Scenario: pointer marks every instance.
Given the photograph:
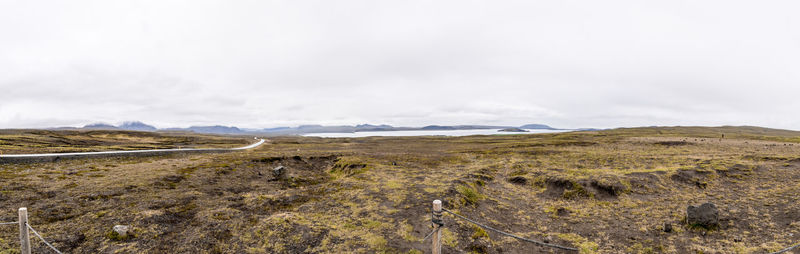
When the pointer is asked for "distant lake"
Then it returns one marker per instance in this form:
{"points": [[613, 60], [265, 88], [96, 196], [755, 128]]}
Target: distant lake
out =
{"points": [[425, 133]]}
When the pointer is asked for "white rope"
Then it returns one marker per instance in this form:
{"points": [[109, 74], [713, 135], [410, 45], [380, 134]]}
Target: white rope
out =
{"points": [[9, 223], [787, 249], [509, 234], [430, 234], [40, 237]]}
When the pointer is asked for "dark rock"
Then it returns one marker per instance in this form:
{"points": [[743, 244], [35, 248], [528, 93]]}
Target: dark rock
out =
{"points": [[279, 172], [706, 216], [667, 227], [519, 180], [562, 211]]}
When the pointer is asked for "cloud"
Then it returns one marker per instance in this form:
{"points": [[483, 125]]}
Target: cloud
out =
{"points": [[263, 64]]}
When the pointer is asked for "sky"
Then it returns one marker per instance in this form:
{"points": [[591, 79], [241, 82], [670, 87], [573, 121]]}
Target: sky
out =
{"points": [[259, 64]]}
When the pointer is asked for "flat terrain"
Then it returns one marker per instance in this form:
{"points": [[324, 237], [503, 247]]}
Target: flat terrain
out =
{"points": [[602, 192], [46, 141]]}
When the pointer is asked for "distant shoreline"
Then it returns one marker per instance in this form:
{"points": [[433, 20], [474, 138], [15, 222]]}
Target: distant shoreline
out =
{"points": [[416, 133]]}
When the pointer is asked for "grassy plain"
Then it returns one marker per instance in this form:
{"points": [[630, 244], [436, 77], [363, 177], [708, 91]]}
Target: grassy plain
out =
{"points": [[48, 141], [602, 192]]}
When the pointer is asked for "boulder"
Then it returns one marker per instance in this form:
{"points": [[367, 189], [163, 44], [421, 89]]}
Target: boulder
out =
{"points": [[122, 230], [279, 172], [706, 215]]}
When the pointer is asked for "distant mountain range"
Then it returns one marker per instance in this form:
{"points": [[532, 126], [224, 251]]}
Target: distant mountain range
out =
{"points": [[303, 129], [137, 126], [216, 129], [131, 126]]}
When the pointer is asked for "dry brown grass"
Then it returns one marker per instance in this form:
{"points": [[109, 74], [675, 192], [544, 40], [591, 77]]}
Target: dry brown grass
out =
{"points": [[604, 192], [46, 141]]}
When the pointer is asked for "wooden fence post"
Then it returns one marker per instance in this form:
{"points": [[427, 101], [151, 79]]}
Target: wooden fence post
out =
{"points": [[437, 223], [24, 238]]}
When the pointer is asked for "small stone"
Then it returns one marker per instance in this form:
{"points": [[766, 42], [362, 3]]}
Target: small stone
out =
{"points": [[278, 172], [667, 227], [706, 215], [122, 230]]}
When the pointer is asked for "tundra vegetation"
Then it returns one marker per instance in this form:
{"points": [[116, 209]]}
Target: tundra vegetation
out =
{"points": [[609, 191]]}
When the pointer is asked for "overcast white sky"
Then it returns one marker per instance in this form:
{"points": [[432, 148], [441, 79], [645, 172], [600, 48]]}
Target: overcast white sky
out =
{"points": [[410, 63]]}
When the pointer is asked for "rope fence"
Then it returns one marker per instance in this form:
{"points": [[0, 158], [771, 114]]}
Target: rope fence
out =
{"points": [[24, 229], [787, 249], [42, 238], [509, 234], [430, 234], [436, 220]]}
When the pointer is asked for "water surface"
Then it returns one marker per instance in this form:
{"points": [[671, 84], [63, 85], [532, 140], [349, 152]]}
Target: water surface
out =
{"points": [[425, 133]]}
